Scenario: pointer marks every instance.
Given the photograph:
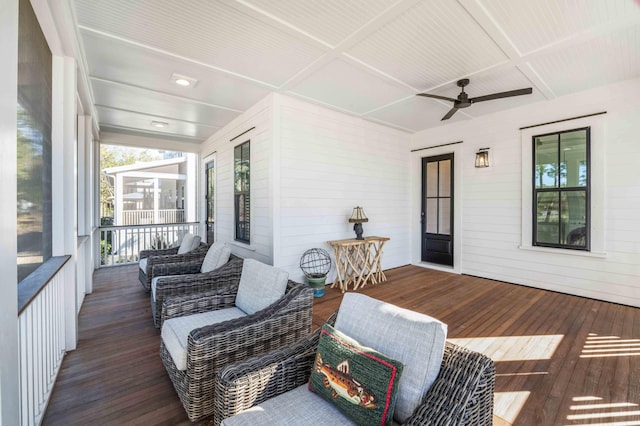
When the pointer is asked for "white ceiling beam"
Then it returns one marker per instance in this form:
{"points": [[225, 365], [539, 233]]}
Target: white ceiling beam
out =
{"points": [[153, 116]]}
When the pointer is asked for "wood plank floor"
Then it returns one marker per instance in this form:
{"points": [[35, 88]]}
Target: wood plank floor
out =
{"points": [[560, 360]]}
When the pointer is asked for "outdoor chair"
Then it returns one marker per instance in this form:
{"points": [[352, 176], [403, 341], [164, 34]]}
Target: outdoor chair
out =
{"points": [[190, 248], [203, 332], [274, 388], [218, 272]]}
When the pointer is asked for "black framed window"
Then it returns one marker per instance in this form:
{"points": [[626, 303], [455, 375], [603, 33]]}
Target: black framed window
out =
{"points": [[242, 199], [561, 189]]}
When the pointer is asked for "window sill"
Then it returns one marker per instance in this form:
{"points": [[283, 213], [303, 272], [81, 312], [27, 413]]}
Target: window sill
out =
{"points": [[242, 245], [598, 255]]}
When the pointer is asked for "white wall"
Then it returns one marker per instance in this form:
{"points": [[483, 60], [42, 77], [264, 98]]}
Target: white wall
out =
{"points": [[490, 199], [328, 163], [260, 117]]}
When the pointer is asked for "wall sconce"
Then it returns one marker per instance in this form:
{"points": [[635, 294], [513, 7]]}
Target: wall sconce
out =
{"points": [[357, 218], [482, 157]]}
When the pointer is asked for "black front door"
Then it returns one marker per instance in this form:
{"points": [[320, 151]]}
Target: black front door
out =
{"points": [[437, 209], [210, 198]]}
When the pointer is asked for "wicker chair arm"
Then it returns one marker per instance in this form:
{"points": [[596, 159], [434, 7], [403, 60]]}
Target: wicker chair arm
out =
{"points": [[244, 384], [225, 276], [161, 252], [160, 269], [462, 393], [196, 254], [195, 303]]}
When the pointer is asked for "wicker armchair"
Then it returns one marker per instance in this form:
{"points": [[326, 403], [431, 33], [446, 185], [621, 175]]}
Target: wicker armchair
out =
{"points": [[211, 347], [462, 393], [179, 279], [170, 255]]}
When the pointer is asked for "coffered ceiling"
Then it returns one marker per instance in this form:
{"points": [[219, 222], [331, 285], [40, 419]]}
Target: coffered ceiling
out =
{"points": [[368, 58]]}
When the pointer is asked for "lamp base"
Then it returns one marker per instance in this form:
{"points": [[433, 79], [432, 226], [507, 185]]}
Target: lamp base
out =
{"points": [[357, 227]]}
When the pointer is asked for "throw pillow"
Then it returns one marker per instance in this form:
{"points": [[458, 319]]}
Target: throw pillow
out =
{"points": [[195, 243], [217, 255], [359, 381], [260, 286], [185, 245]]}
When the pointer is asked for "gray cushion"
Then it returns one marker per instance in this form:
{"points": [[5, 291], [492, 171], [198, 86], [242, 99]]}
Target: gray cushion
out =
{"points": [[195, 243], [217, 255], [414, 339], [186, 245], [260, 286], [299, 406], [175, 331], [154, 284], [143, 264]]}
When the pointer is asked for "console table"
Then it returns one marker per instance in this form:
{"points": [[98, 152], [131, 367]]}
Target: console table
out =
{"points": [[358, 261]]}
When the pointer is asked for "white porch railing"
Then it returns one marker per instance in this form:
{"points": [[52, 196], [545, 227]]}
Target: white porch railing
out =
{"points": [[120, 245], [41, 329], [146, 217]]}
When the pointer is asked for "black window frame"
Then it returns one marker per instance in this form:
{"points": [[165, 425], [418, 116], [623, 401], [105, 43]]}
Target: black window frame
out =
{"points": [[242, 192], [558, 188]]}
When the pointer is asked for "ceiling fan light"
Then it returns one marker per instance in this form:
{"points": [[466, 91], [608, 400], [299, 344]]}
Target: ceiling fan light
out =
{"points": [[183, 80]]}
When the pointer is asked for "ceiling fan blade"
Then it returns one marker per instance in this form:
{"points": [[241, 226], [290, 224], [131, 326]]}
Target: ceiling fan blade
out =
{"points": [[449, 114], [444, 98], [502, 95]]}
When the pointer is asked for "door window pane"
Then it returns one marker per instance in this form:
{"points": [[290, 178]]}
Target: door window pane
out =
{"points": [[432, 179], [444, 216], [445, 178], [432, 215]]}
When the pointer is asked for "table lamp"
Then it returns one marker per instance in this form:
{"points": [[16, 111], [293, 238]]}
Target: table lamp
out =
{"points": [[357, 218]]}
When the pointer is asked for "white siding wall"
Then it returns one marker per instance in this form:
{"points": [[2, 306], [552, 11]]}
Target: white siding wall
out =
{"points": [[260, 117], [490, 199], [330, 162]]}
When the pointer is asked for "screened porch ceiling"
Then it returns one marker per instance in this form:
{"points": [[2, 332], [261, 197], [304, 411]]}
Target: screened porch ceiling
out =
{"points": [[367, 58]]}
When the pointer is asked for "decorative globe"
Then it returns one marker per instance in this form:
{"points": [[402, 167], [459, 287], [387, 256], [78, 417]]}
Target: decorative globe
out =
{"points": [[315, 263]]}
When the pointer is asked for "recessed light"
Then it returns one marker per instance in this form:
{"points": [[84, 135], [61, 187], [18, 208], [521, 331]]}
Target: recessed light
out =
{"points": [[159, 124], [183, 80]]}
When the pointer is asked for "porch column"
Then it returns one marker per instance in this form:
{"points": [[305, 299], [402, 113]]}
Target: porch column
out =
{"points": [[190, 190], [64, 169], [117, 202], [156, 200], [9, 364]]}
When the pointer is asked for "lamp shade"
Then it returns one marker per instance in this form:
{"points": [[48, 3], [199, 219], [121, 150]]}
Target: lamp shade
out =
{"points": [[358, 216], [482, 157]]}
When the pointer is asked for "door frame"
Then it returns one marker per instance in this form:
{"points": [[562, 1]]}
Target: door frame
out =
{"points": [[452, 197], [439, 148]]}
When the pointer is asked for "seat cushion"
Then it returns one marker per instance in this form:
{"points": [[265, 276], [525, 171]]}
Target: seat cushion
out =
{"points": [[414, 339], [299, 406], [175, 331], [260, 286], [143, 264], [154, 284], [361, 382], [186, 244], [217, 255]]}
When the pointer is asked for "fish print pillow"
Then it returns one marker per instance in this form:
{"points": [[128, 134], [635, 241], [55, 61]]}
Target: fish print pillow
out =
{"points": [[360, 381]]}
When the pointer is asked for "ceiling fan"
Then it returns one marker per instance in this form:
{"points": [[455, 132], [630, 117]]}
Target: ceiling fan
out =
{"points": [[464, 100]]}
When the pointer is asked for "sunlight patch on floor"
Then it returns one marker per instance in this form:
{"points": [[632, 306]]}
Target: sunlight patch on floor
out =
{"points": [[609, 346], [513, 348], [592, 409], [507, 405]]}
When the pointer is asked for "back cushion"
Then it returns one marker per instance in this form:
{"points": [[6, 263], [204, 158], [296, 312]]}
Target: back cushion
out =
{"points": [[260, 286], [414, 339], [185, 245], [196, 242], [217, 255]]}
